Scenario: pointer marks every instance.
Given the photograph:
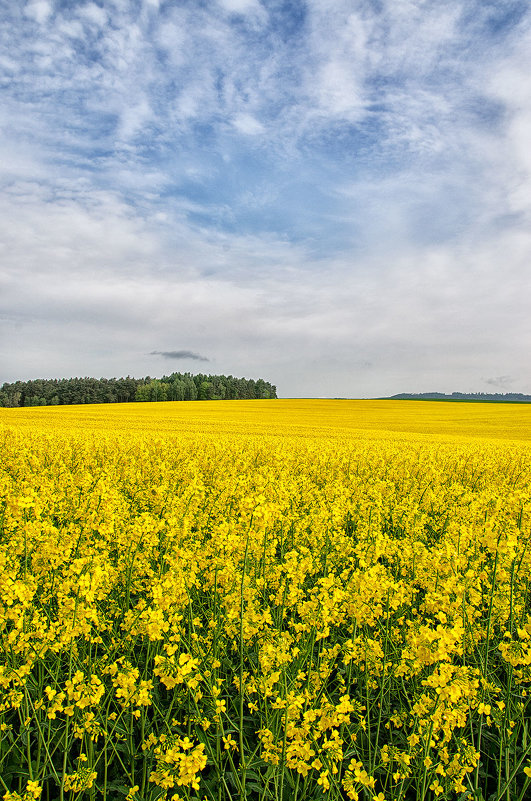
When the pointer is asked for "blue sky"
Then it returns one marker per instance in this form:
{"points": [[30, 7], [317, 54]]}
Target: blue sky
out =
{"points": [[335, 196]]}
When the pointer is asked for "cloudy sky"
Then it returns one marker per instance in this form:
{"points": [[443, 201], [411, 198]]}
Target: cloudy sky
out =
{"points": [[334, 195]]}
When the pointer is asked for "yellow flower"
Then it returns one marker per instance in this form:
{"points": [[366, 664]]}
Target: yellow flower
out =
{"points": [[437, 788], [229, 743], [33, 788]]}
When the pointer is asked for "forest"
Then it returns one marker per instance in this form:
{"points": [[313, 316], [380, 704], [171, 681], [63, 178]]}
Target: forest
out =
{"points": [[174, 387]]}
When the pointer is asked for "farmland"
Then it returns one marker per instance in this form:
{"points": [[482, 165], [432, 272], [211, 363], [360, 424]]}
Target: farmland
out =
{"points": [[267, 600]]}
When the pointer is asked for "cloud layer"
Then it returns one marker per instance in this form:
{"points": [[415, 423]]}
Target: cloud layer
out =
{"points": [[335, 197]]}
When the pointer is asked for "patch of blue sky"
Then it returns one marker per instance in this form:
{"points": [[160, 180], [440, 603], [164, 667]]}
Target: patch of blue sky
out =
{"points": [[288, 18], [497, 19], [344, 145], [486, 112], [297, 211]]}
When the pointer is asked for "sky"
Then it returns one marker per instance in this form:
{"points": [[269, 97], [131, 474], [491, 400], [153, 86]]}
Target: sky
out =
{"points": [[333, 195]]}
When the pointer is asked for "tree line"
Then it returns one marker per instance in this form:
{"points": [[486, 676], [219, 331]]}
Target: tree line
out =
{"points": [[174, 387], [492, 397]]}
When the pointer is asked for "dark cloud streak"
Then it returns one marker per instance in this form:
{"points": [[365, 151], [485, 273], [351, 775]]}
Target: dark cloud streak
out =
{"points": [[179, 354], [500, 381]]}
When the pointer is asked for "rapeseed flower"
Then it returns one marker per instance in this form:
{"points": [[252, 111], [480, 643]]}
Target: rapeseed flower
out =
{"points": [[339, 609]]}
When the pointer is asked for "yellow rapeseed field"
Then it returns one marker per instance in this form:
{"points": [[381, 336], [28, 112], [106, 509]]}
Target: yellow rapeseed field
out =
{"points": [[265, 600]]}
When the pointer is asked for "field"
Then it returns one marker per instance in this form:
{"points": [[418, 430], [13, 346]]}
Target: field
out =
{"points": [[267, 600]]}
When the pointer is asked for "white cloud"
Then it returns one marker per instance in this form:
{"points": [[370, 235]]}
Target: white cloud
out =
{"points": [[134, 118], [93, 14], [338, 93], [39, 10], [241, 6], [71, 28], [509, 85], [254, 13], [247, 124]]}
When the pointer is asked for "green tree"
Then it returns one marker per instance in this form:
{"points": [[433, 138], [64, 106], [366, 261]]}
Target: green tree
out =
{"points": [[143, 393]]}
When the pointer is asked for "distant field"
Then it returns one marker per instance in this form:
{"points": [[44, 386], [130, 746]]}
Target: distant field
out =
{"points": [[275, 600], [308, 418]]}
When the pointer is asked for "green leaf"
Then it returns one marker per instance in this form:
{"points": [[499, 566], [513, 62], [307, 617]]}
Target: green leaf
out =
{"points": [[118, 786]]}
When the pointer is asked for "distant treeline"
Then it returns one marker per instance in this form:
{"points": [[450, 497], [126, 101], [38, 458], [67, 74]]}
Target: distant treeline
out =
{"points": [[487, 397], [174, 387]]}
